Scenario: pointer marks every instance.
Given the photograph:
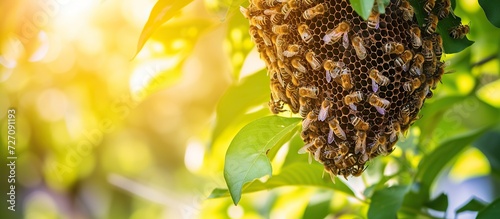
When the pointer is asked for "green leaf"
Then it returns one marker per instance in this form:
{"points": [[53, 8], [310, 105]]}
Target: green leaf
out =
{"points": [[319, 205], [385, 203], [488, 145], [381, 5], [362, 7], [440, 203], [432, 164], [271, 153], [218, 192], [292, 156], [163, 11], [246, 158], [491, 211], [450, 45], [239, 98], [473, 205], [296, 174], [432, 113], [491, 9]]}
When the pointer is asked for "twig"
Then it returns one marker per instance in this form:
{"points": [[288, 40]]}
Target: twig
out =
{"points": [[484, 61]]}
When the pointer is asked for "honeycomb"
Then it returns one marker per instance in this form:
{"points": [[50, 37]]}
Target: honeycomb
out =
{"points": [[358, 84]]}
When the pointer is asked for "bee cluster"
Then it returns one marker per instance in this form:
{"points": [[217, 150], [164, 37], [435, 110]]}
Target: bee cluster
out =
{"points": [[358, 84]]}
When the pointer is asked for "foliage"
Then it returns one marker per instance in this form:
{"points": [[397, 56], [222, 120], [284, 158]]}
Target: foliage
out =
{"points": [[249, 158], [428, 151], [430, 148], [246, 157]]}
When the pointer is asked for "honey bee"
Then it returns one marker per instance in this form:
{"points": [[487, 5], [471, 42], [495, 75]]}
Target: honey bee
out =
{"points": [[418, 62], [407, 9], [359, 47], [329, 153], [438, 46], [277, 75], [436, 77], [292, 94], [310, 92], [277, 18], [345, 79], [395, 131], [313, 60], [404, 59], [271, 11], [359, 124], [427, 50], [373, 20], [380, 104], [277, 92], [313, 147], [310, 118], [429, 5], [416, 40], [245, 12], [354, 97], [358, 171], [405, 115], [298, 65], [360, 142], [298, 75], [270, 55], [271, 3], [314, 11], [349, 161], [289, 6], [276, 107], [363, 158], [332, 69], [307, 2], [431, 25], [305, 33], [267, 40], [335, 129], [378, 79], [306, 148], [334, 35], [280, 29], [343, 148], [259, 4], [378, 145], [459, 31], [323, 112], [445, 9], [304, 106], [254, 33], [412, 85], [258, 21], [393, 48], [291, 50], [285, 71]]}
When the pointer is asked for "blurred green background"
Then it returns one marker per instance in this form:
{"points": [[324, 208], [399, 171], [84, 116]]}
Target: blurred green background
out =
{"points": [[101, 134]]}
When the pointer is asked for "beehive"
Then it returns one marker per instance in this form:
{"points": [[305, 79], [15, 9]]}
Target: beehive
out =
{"points": [[322, 72]]}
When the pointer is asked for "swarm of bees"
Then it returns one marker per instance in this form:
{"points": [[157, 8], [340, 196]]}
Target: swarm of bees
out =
{"points": [[358, 84]]}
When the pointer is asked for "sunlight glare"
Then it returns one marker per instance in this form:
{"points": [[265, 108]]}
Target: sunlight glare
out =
{"points": [[472, 163], [193, 157], [52, 104]]}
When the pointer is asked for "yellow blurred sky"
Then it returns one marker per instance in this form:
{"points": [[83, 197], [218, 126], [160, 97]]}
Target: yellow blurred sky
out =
{"points": [[90, 115]]}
